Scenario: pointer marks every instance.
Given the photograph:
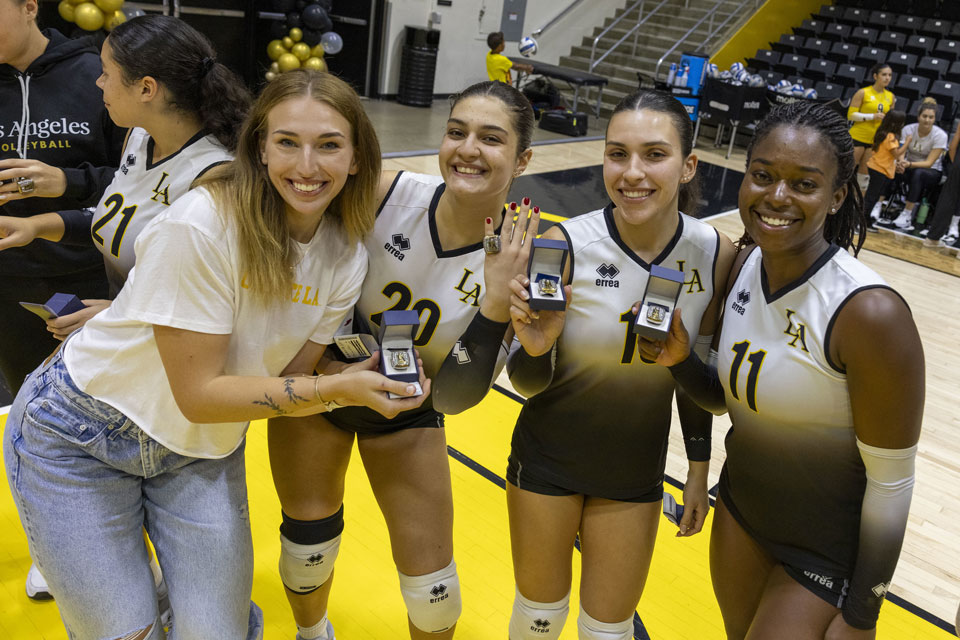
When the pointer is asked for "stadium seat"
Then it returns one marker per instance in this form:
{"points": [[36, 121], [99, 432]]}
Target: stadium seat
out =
{"points": [[828, 13], [869, 56], [851, 75], [947, 49], [803, 81], [902, 62], [836, 31], [791, 64], [842, 52], [927, 8], [820, 69], [787, 43], [891, 40], [848, 94], [879, 20], [903, 104], [954, 70], [908, 23], [935, 28], [814, 47], [920, 45], [948, 94], [932, 68], [863, 36], [771, 76], [763, 59], [809, 28], [854, 16], [828, 91], [911, 86], [954, 31]]}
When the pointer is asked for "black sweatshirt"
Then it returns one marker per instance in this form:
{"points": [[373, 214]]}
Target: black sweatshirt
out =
{"points": [[55, 112]]}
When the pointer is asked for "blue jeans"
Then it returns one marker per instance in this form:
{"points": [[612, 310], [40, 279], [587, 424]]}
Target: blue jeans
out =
{"points": [[86, 479]]}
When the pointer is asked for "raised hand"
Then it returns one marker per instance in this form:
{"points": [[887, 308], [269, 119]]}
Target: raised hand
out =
{"points": [[536, 330], [516, 235]]}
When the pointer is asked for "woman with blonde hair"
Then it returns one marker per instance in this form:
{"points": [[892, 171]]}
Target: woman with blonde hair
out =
{"points": [[139, 419]]}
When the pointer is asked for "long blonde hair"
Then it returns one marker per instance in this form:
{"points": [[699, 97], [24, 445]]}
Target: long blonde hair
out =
{"points": [[243, 191]]}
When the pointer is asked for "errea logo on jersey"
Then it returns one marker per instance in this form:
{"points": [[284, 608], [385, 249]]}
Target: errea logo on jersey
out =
{"points": [[608, 273], [740, 304], [398, 243]]}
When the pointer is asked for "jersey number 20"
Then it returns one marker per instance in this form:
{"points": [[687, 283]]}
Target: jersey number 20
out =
{"points": [[427, 327]]}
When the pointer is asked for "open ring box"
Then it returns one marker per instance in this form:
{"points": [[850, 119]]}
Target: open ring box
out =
{"points": [[398, 361], [659, 301], [545, 271]]}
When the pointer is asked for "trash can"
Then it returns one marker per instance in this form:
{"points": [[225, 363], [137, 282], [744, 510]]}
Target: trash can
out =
{"points": [[418, 66]]}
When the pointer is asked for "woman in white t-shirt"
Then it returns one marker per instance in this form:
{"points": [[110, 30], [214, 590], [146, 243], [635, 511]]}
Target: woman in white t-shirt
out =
{"points": [[922, 165], [139, 419]]}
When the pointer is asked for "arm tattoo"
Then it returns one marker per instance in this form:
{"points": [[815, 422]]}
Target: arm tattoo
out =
{"points": [[268, 402], [291, 394]]}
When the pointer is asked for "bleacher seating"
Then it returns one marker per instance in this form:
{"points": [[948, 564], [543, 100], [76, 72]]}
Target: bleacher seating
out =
{"points": [[814, 47], [930, 67], [820, 69], [892, 40], [901, 62], [869, 56], [910, 86]]}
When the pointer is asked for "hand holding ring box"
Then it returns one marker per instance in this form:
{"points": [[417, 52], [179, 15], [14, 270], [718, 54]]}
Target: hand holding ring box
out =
{"points": [[398, 361], [545, 271], [659, 301]]}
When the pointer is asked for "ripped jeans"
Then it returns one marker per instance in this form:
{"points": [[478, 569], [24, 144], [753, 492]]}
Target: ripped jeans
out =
{"points": [[85, 479]]}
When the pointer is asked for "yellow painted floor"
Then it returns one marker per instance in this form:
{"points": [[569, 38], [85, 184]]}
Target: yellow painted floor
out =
{"points": [[678, 603]]}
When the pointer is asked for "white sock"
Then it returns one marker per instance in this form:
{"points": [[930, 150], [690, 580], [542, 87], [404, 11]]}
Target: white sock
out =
{"points": [[954, 226], [316, 632], [863, 179]]}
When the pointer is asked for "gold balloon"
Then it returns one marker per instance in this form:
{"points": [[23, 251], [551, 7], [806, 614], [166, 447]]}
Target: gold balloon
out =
{"points": [[288, 62], [78, 1], [301, 50], [114, 19], [66, 10], [271, 75], [88, 17], [317, 51], [296, 34], [275, 49], [317, 64], [108, 6], [287, 42], [274, 67]]}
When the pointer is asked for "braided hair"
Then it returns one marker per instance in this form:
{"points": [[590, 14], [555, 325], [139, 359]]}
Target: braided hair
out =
{"points": [[848, 226]]}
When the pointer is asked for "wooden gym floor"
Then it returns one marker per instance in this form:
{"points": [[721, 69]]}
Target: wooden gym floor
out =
{"points": [[678, 603]]}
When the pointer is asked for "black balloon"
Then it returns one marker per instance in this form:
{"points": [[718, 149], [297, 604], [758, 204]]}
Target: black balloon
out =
{"points": [[314, 17], [312, 36], [326, 4], [293, 20]]}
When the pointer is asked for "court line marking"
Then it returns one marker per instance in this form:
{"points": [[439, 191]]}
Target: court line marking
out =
{"points": [[916, 610]]}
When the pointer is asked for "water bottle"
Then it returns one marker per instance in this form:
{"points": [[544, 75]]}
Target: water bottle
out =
{"points": [[685, 71], [672, 74], [923, 211]]}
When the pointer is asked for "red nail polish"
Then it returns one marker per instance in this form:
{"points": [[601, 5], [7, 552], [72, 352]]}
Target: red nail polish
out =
{"points": [[536, 209], [526, 201], [513, 206], [489, 220]]}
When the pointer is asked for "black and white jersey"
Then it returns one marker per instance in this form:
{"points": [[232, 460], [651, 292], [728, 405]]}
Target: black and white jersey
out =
{"points": [[793, 472], [600, 428], [410, 270], [141, 190]]}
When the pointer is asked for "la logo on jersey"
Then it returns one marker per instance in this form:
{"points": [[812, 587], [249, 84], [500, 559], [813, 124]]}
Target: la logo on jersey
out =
{"points": [[608, 274], [740, 304], [397, 245], [161, 193], [694, 281], [471, 296], [797, 331]]}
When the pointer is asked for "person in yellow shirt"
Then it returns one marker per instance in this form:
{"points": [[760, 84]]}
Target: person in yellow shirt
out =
{"points": [[499, 65], [867, 108]]}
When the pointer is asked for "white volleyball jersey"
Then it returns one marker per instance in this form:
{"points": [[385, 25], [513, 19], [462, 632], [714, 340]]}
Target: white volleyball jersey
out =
{"points": [[141, 190], [601, 426], [791, 452]]}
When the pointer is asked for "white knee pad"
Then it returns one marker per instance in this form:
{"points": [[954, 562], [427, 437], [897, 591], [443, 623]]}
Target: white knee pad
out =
{"points": [[591, 629], [305, 567], [537, 619], [433, 601]]}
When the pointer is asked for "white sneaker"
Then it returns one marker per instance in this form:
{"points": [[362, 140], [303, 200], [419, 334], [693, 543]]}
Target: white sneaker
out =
{"points": [[37, 588], [904, 221], [949, 239], [875, 212]]}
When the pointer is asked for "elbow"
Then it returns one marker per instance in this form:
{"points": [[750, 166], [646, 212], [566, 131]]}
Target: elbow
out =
{"points": [[451, 404], [528, 389]]}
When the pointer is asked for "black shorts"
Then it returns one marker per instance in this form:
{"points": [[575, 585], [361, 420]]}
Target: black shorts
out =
{"points": [[364, 421], [830, 589], [857, 143], [526, 477]]}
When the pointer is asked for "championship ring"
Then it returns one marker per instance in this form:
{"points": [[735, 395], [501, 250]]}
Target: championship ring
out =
{"points": [[25, 185], [656, 313], [491, 244], [547, 287], [399, 359]]}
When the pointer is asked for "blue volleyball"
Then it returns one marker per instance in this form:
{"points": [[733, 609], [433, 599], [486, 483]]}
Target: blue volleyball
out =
{"points": [[528, 46], [736, 68], [810, 94]]}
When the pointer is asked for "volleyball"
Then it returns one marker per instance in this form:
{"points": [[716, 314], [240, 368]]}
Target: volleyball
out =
{"points": [[810, 94], [784, 86], [736, 68], [756, 80], [528, 46], [713, 71], [797, 90]]}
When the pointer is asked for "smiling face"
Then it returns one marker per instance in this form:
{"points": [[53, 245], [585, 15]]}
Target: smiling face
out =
{"points": [[478, 155], [644, 165], [123, 101], [308, 151], [788, 190]]}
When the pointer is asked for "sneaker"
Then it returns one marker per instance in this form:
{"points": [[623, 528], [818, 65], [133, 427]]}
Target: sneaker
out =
{"points": [[904, 221], [875, 212], [327, 634], [37, 588], [949, 239]]}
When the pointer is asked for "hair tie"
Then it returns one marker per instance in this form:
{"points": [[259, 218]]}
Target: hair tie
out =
{"points": [[205, 66]]}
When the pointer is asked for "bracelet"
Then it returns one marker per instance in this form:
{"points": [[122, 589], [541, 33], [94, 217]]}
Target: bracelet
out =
{"points": [[329, 405]]}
